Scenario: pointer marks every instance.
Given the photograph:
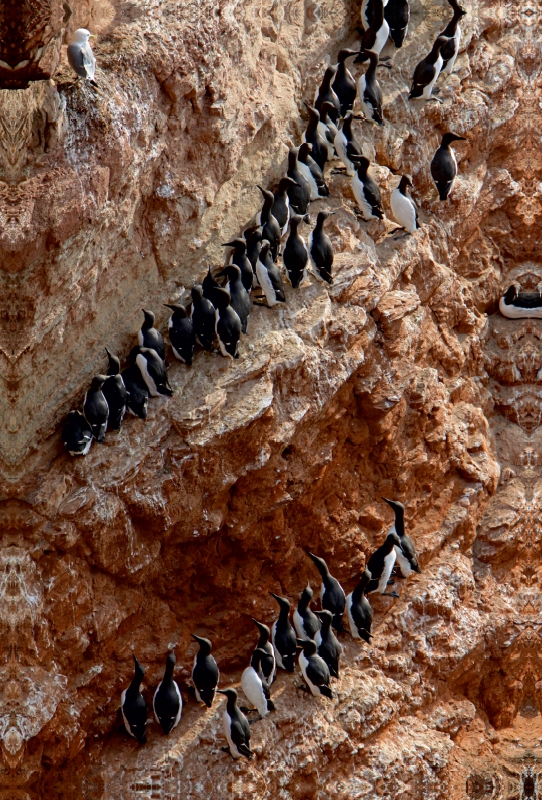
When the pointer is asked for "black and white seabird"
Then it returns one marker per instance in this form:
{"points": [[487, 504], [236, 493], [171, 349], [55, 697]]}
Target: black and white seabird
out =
{"points": [[520, 305], [346, 144], [203, 318], [133, 706], [239, 297], [255, 687], [153, 370], [358, 609], [444, 165], [148, 336], [312, 172], [376, 35], [209, 286], [236, 726], [332, 594], [366, 191], [380, 565], [181, 332], [253, 237], [405, 552], [95, 408], [80, 56], [344, 84], [321, 249], [299, 193], [312, 136], [314, 669], [397, 15], [426, 72], [328, 129], [227, 325], [268, 665], [306, 622], [329, 647], [452, 30], [167, 702], [295, 254], [240, 259], [326, 94], [283, 636], [369, 92], [205, 674], [269, 277], [137, 400], [77, 434], [115, 393], [271, 229], [367, 13], [403, 207], [281, 207]]}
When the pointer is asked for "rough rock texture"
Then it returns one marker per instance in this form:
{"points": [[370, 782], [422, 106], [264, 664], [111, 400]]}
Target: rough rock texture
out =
{"points": [[400, 380]]}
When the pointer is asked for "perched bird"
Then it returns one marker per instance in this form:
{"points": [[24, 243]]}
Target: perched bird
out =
{"points": [[295, 254], [332, 594], [236, 726], [255, 687], [344, 84], [77, 434], [306, 622], [405, 552], [444, 165], [314, 669], [167, 702], [369, 92], [403, 207], [95, 408], [312, 172], [137, 400], [397, 15], [299, 193], [426, 72], [80, 55], [321, 249], [227, 325], [115, 393], [367, 13], [267, 664], [153, 370], [380, 566], [376, 35], [203, 318], [281, 206], [253, 237], [205, 674], [269, 277], [134, 707], [358, 609], [240, 259], [210, 286], [326, 94], [366, 191], [519, 305], [452, 31], [346, 144], [329, 647], [182, 336], [148, 336], [313, 137], [327, 129], [283, 636], [270, 227], [239, 297]]}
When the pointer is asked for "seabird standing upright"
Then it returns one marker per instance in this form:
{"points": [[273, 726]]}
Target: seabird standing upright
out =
{"points": [[329, 646], [182, 336], [270, 226], [314, 669], [306, 622], [344, 84], [295, 254], [77, 434], [148, 336], [236, 726], [366, 191], [268, 665], [312, 136], [283, 636], [299, 193], [153, 370], [133, 706], [114, 392], [332, 594], [444, 165], [358, 609], [239, 258], [203, 318], [80, 55], [346, 144], [452, 30], [312, 172], [227, 325], [426, 73], [95, 408], [205, 673], [376, 35], [255, 687], [281, 206], [397, 15], [326, 94], [269, 277], [167, 701], [369, 92], [380, 566], [239, 297], [137, 400], [405, 552], [403, 207], [321, 249]]}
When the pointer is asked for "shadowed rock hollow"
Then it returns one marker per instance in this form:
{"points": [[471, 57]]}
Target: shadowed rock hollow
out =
{"points": [[401, 380]]}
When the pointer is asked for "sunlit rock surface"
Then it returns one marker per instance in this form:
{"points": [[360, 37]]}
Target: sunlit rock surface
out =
{"points": [[401, 380]]}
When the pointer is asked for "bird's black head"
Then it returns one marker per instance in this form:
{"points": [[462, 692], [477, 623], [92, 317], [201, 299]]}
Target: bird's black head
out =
{"points": [[306, 595], [329, 74], [239, 244], [205, 645], [361, 163], [314, 114], [114, 363], [232, 271], [139, 672], [221, 298], [322, 216], [344, 54], [231, 694], [97, 382], [307, 645], [404, 183], [362, 57], [179, 311], [326, 618], [440, 41], [148, 322], [267, 195], [325, 108], [398, 507], [305, 150], [283, 602], [448, 138], [286, 182], [265, 633], [197, 294]]}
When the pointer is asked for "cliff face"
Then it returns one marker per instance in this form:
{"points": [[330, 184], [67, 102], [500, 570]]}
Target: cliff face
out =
{"points": [[400, 381]]}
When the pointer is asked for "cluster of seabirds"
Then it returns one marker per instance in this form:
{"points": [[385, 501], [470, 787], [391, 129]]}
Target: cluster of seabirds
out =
{"points": [[219, 313], [311, 637]]}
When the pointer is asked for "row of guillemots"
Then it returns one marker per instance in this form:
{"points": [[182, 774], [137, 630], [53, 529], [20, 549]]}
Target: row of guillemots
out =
{"points": [[219, 314], [311, 636]]}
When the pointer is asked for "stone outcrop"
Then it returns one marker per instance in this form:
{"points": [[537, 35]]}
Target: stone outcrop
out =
{"points": [[400, 380]]}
